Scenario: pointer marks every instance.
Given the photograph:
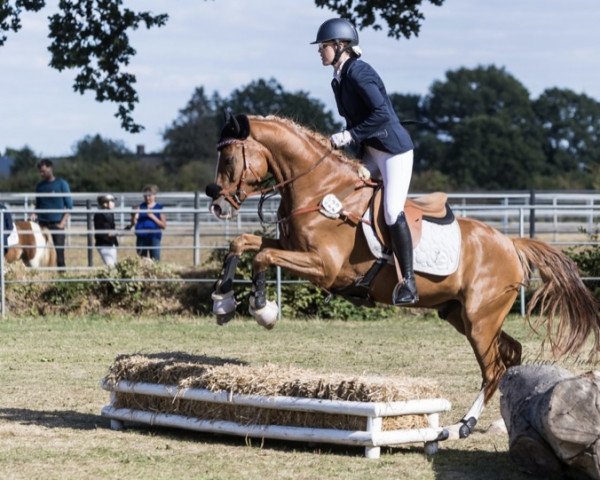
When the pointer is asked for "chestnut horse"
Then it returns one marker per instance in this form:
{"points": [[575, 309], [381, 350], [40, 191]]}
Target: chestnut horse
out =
{"points": [[333, 253]]}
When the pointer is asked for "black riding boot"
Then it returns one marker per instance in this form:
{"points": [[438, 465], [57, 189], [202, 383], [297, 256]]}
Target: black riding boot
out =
{"points": [[405, 292]]}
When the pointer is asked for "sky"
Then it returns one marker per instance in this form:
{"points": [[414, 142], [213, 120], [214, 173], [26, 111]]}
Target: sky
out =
{"points": [[223, 45]]}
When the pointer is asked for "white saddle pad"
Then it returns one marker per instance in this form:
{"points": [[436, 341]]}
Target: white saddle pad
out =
{"points": [[438, 252]]}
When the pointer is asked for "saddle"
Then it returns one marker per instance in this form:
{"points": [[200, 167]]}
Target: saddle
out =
{"points": [[432, 207]]}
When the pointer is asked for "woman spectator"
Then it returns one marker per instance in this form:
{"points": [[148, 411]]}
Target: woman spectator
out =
{"points": [[149, 223]]}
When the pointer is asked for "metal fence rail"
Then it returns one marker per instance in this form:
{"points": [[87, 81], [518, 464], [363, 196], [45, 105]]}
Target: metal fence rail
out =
{"points": [[192, 232]]}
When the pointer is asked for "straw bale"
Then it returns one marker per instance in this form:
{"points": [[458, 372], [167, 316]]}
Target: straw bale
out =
{"points": [[237, 377]]}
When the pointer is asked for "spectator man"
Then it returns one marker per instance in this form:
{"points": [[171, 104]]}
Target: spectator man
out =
{"points": [[56, 218]]}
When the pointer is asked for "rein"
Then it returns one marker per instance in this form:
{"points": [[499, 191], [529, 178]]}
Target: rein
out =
{"points": [[233, 195]]}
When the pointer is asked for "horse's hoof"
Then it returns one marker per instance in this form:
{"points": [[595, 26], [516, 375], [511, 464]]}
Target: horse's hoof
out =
{"points": [[467, 427], [225, 318], [461, 430], [223, 304], [431, 448], [265, 316]]}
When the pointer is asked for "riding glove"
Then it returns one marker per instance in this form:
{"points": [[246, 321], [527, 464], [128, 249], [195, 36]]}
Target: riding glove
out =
{"points": [[338, 140]]}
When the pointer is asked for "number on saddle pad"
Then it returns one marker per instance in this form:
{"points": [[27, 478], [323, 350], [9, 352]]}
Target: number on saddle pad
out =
{"points": [[331, 206]]}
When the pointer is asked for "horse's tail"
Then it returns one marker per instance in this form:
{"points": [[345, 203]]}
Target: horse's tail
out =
{"points": [[571, 311]]}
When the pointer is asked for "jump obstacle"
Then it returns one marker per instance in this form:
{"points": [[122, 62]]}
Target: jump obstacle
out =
{"points": [[371, 424]]}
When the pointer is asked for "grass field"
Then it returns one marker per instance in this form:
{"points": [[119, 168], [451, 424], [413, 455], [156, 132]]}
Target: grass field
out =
{"points": [[50, 398]]}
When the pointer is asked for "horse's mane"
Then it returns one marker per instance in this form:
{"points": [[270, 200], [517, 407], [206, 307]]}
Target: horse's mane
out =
{"points": [[312, 137]]}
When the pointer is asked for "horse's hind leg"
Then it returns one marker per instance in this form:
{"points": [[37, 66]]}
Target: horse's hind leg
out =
{"points": [[453, 313], [494, 349], [510, 349]]}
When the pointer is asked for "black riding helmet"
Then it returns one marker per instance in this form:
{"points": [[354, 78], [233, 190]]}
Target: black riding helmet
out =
{"points": [[337, 29], [102, 199]]}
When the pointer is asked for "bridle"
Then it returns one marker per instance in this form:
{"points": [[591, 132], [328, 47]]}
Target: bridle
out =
{"points": [[237, 195], [234, 195]]}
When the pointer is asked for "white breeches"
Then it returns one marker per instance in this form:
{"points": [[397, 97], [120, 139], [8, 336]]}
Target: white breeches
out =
{"points": [[395, 171], [109, 255]]}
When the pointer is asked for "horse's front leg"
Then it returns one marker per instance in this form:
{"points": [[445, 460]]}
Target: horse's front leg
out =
{"points": [[224, 303], [304, 264]]}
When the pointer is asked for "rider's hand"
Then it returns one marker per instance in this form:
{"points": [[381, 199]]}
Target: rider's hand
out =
{"points": [[338, 140]]}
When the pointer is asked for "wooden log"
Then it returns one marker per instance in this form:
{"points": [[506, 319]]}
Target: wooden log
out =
{"points": [[553, 420]]}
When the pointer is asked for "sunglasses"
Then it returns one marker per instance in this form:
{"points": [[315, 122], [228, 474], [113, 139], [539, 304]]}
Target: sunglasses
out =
{"points": [[323, 45]]}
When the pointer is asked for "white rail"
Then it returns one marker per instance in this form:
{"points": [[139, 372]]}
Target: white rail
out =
{"points": [[373, 438]]}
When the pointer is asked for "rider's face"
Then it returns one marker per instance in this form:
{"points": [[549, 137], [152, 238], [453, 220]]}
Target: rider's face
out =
{"points": [[327, 52]]}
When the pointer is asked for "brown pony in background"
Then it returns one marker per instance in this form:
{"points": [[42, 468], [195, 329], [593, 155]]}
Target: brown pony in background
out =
{"points": [[35, 248], [333, 253]]}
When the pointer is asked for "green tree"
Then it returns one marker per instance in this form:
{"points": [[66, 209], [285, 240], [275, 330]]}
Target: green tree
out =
{"points": [[490, 153], [194, 176], [25, 160], [571, 125], [402, 18], [112, 175], [91, 38], [190, 140], [23, 174], [408, 107], [410, 111], [193, 133], [458, 112], [97, 149], [482, 90], [265, 97]]}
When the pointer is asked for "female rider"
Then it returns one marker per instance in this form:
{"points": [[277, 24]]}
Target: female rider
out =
{"points": [[384, 143]]}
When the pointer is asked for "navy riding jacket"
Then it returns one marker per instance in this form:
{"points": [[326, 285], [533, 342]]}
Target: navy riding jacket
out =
{"points": [[363, 101]]}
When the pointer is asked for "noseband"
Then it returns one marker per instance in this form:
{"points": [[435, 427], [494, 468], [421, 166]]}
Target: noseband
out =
{"points": [[234, 195]]}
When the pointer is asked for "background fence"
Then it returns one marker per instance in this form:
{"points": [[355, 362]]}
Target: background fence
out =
{"points": [[193, 233]]}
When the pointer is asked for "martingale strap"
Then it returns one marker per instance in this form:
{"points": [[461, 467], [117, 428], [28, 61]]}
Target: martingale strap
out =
{"points": [[345, 215], [232, 195]]}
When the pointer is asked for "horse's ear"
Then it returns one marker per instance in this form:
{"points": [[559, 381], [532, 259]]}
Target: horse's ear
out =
{"points": [[243, 126], [236, 126]]}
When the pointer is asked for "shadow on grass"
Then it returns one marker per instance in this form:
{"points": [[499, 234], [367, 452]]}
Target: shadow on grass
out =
{"points": [[52, 419], [454, 464], [447, 464]]}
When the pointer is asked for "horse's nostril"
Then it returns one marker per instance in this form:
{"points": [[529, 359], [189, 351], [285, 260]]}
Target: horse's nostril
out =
{"points": [[216, 210]]}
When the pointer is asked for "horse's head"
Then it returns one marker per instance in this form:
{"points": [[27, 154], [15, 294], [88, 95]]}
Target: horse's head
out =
{"points": [[241, 166]]}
